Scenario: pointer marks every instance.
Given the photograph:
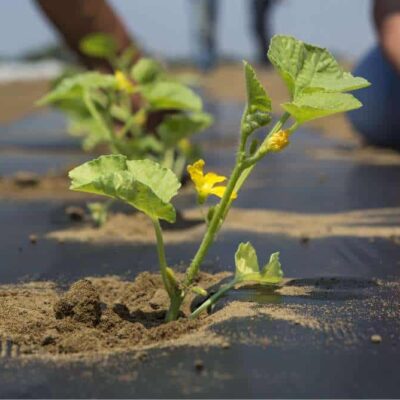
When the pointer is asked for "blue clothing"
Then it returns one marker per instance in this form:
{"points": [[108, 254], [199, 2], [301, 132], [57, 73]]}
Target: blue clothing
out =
{"points": [[378, 121]]}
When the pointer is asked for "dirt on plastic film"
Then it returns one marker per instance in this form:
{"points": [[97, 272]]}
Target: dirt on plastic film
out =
{"points": [[96, 316], [100, 316], [137, 228]]}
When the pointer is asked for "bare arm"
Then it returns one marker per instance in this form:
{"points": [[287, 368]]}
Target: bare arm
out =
{"points": [[75, 19], [387, 21]]}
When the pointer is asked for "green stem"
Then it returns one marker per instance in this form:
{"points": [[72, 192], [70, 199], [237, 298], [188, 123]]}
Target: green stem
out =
{"points": [[278, 126], [128, 125], [168, 160], [213, 226], [179, 166], [175, 296], [161, 257], [239, 175], [293, 127], [99, 119], [213, 299], [174, 308]]}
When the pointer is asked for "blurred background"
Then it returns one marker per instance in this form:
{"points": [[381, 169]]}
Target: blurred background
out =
{"points": [[163, 27], [32, 52]]}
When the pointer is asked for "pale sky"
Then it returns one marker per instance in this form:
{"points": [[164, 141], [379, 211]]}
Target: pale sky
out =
{"points": [[162, 25]]}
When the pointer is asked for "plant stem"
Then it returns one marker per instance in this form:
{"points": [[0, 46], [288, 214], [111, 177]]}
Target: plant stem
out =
{"points": [[278, 126], [168, 160], [161, 257], [213, 299], [239, 175], [128, 125], [179, 166], [174, 308], [213, 226], [99, 119], [175, 295]]}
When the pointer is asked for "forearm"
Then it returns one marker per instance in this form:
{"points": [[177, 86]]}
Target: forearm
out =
{"points": [[387, 21], [75, 19]]}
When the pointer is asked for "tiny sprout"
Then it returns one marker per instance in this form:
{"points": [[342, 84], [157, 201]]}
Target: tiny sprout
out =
{"points": [[317, 86]]}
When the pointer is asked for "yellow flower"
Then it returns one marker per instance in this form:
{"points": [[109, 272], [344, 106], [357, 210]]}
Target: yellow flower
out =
{"points": [[205, 184], [278, 141], [123, 83]]}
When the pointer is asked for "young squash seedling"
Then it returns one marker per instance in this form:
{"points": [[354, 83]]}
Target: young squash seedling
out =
{"points": [[318, 87], [114, 110]]}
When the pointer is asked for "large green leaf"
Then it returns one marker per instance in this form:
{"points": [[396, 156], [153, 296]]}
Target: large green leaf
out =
{"points": [[144, 184], [75, 86], [314, 78], [146, 70], [310, 106], [163, 95], [247, 268], [162, 181], [305, 67], [258, 109], [175, 127], [99, 45]]}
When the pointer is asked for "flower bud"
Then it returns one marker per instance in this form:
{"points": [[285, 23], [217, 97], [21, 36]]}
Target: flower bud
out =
{"points": [[277, 142]]}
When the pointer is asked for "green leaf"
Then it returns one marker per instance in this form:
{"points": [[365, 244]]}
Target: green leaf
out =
{"points": [[99, 45], [88, 128], [175, 127], [75, 86], [74, 107], [144, 184], [310, 106], [258, 109], [272, 272], [247, 268], [162, 181], [307, 68], [120, 113], [171, 96], [146, 70], [246, 262]]}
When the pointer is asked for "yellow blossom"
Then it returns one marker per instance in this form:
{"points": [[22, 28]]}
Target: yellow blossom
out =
{"points": [[123, 83], [205, 184], [278, 141]]}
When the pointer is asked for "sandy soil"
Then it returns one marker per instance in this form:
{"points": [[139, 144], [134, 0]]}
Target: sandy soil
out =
{"points": [[99, 316], [137, 228]]}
